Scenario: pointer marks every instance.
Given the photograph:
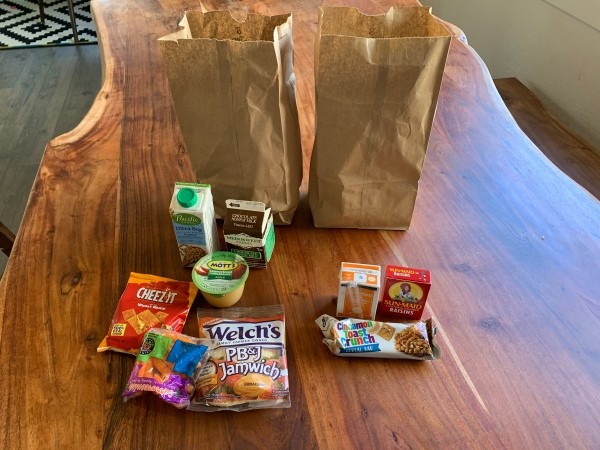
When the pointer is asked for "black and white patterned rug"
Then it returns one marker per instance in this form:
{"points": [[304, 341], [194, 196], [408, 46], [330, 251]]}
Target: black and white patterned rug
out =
{"points": [[21, 26]]}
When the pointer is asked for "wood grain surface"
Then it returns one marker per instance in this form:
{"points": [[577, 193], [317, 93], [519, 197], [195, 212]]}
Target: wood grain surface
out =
{"points": [[513, 245]]}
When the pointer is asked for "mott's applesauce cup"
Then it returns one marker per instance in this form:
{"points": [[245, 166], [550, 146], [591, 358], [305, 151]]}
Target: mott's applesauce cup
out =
{"points": [[221, 277], [405, 292], [193, 217], [358, 295]]}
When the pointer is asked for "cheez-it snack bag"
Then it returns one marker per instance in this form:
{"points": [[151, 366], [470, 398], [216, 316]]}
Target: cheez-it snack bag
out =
{"points": [[148, 301]]}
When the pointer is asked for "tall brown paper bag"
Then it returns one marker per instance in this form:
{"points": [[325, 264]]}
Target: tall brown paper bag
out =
{"points": [[233, 88], [377, 82]]}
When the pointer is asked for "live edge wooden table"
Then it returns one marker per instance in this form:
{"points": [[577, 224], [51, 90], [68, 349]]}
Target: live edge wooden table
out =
{"points": [[513, 245]]}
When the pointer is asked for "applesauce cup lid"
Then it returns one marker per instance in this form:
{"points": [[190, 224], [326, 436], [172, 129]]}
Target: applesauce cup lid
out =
{"points": [[220, 273]]}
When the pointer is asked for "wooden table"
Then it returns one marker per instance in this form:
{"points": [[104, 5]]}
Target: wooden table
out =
{"points": [[513, 245]]}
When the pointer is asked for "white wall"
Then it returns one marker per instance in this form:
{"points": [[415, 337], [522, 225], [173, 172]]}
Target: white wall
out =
{"points": [[554, 54]]}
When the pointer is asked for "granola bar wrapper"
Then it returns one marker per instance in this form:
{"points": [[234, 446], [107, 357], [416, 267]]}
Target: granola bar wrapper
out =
{"points": [[372, 339]]}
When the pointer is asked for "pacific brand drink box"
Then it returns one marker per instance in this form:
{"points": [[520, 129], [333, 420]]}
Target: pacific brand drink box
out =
{"points": [[248, 230], [405, 292], [358, 295], [193, 217]]}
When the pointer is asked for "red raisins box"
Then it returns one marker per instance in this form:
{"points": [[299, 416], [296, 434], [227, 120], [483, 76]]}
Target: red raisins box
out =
{"points": [[405, 292]]}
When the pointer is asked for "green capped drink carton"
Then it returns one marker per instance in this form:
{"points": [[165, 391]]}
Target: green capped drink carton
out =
{"points": [[193, 216]]}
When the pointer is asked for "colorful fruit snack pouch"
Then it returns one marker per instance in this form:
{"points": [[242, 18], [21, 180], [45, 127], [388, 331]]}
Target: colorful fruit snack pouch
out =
{"points": [[248, 367], [167, 365], [148, 301]]}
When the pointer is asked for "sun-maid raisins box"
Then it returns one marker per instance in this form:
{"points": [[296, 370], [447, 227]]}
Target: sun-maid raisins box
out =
{"points": [[248, 230], [193, 217], [405, 292]]}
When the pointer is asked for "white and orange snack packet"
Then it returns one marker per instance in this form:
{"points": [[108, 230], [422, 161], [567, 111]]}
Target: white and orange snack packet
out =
{"points": [[248, 367]]}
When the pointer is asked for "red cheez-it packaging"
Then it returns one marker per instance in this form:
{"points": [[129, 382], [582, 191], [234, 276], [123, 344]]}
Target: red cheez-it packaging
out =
{"points": [[405, 292], [148, 301]]}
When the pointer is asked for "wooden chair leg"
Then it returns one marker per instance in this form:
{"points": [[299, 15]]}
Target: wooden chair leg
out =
{"points": [[73, 23], [7, 239], [42, 14]]}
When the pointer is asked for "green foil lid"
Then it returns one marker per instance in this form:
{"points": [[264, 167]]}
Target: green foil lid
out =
{"points": [[220, 273]]}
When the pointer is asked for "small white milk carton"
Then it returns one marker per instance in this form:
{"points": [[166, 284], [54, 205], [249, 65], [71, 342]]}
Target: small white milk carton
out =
{"points": [[249, 231], [193, 216]]}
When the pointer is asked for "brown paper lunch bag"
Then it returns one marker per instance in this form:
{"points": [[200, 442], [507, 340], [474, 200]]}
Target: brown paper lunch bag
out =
{"points": [[377, 80], [233, 87]]}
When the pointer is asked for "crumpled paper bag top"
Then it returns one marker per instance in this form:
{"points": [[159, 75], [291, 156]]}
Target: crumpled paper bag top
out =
{"points": [[398, 22]]}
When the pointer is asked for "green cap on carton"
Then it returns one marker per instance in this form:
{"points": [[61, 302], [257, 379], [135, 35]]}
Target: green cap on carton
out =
{"points": [[187, 197]]}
